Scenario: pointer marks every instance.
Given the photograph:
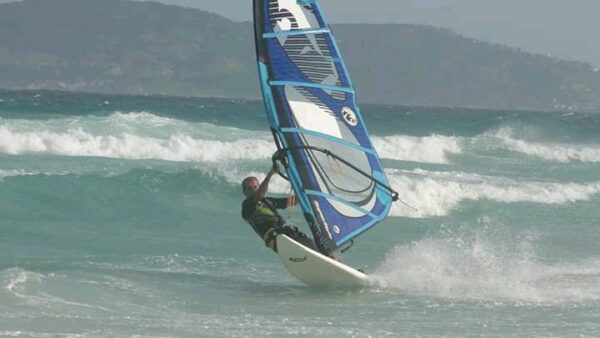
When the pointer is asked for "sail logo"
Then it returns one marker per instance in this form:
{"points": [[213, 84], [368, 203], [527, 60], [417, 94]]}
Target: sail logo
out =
{"points": [[349, 116], [294, 16], [298, 259], [336, 229]]}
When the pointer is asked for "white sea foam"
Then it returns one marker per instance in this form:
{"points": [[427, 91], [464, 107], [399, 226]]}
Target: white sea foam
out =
{"points": [[436, 148], [438, 193], [429, 149], [141, 117], [15, 172], [145, 124], [549, 151], [143, 135], [33, 334], [134, 135], [31, 289], [480, 263], [177, 147], [15, 280]]}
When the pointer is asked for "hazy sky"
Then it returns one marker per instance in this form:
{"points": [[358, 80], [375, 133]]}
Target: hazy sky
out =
{"points": [[564, 28]]}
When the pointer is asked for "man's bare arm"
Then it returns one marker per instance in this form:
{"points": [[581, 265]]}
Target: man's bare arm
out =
{"points": [[264, 186]]}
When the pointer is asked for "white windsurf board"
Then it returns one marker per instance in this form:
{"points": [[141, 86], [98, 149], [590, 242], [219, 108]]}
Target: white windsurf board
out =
{"points": [[315, 269]]}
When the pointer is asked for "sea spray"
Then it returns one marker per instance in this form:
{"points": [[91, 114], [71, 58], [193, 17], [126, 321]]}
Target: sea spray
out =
{"points": [[485, 261]]}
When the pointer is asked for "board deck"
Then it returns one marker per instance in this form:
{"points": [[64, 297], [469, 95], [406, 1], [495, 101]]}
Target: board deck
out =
{"points": [[315, 269]]}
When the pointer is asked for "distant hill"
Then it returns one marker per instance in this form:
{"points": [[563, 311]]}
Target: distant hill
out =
{"points": [[119, 46]]}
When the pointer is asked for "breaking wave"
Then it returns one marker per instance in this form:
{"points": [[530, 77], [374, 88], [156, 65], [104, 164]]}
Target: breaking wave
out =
{"points": [[429, 149], [177, 147], [143, 135], [437, 193], [549, 151]]}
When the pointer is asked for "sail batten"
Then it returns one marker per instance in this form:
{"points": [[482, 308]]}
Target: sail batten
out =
{"points": [[331, 163], [340, 200], [311, 85], [295, 32], [328, 137]]}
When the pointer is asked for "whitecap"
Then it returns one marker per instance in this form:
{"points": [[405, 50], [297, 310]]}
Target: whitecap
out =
{"points": [[428, 149], [177, 147], [435, 194], [558, 152]]}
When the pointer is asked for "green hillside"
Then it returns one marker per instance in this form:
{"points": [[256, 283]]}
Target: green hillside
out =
{"points": [[118, 46]]}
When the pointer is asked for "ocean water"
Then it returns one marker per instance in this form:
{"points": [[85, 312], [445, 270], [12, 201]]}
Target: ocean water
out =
{"points": [[120, 217]]}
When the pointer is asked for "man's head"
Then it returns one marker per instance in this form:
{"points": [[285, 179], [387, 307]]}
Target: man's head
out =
{"points": [[250, 186]]}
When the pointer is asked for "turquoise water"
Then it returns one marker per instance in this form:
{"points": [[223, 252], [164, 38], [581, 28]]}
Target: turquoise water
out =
{"points": [[121, 217]]}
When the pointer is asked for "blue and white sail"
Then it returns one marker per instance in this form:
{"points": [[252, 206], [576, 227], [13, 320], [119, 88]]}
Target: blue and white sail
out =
{"points": [[330, 160]]}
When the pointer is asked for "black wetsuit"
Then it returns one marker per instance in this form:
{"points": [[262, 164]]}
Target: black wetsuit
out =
{"points": [[267, 223]]}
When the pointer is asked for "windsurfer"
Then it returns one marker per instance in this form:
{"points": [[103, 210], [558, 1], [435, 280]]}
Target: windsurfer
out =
{"points": [[261, 213]]}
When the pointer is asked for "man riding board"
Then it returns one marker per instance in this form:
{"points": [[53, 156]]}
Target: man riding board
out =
{"points": [[261, 213]]}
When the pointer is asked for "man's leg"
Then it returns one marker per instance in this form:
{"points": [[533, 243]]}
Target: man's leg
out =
{"points": [[299, 237], [302, 238]]}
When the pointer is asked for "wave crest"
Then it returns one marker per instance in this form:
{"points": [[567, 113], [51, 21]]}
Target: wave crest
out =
{"points": [[549, 151], [177, 147], [438, 193], [429, 149]]}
